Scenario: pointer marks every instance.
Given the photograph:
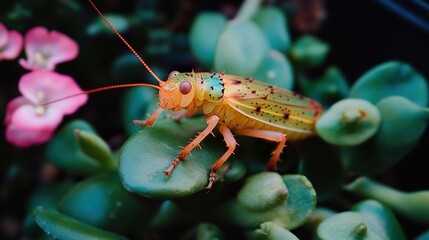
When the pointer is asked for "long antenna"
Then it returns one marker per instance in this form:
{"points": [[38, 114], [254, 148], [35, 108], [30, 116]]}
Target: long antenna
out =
{"points": [[100, 90], [126, 43]]}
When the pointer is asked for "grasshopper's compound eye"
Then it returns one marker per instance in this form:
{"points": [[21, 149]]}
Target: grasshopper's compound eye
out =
{"points": [[185, 87], [172, 74]]}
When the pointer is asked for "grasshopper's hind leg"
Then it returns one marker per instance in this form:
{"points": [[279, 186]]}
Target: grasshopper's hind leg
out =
{"points": [[211, 124], [274, 136], [231, 144]]}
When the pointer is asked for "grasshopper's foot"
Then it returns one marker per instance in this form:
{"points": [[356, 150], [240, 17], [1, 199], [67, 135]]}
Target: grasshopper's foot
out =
{"points": [[212, 180], [173, 165]]}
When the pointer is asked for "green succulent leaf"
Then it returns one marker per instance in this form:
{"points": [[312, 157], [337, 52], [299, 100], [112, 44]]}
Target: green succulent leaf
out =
{"points": [[126, 68], [262, 191], [349, 122], [346, 226], [138, 104], [308, 51], [96, 148], [412, 205], [64, 151], [322, 165], [205, 32], [291, 214], [103, 202], [276, 70], [241, 49], [98, 26], [204, 231], [391, 143], [271, 231], [423, 236], [273, 23], [48, 197], [391, 79], [328, 89], [380, 219], [61, 226], [147, 154], [168, 215]]}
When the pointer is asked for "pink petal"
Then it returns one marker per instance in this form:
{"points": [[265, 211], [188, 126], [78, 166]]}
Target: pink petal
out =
{"points": [[42, 86], [27, 127], [12, 106], [3, 35], [27, 137], [27, 117], [13, 46], [54, 47]]}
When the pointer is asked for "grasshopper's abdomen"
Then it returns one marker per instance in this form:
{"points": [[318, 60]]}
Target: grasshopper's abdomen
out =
{"points": [[244, 103]]}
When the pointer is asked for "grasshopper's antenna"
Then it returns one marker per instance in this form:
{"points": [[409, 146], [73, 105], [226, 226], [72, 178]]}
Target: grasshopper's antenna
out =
{"points": [[102, 89], [126, 43]]}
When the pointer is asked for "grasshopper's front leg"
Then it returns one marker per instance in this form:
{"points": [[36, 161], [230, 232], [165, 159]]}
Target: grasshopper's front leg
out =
{"points": [[150, 120], [211, 124]]}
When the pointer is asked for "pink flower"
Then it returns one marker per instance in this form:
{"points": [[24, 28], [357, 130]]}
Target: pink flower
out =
{"points": [[45, 49], [10, 43], [27, 120]]}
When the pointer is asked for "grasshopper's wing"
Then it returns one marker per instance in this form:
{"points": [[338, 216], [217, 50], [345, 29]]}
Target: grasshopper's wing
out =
{"points": [[272, 105]]}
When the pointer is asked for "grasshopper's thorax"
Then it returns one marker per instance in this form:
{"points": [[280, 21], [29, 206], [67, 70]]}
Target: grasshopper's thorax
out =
{"points": [[190, 90]]}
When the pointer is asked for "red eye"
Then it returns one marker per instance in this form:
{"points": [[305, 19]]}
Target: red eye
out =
{"points": [[185, 87], [172, 74]]}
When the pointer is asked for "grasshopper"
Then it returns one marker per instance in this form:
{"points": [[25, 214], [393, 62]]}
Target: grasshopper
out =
{"points": [[244, 105]]}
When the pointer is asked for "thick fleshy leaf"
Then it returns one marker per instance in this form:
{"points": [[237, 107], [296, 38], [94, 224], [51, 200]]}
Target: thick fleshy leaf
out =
{"points": [[391, 143], [96, 148], [48, 197], [241, 49], [234, 172], [64, 151], [262, 191], [168, 215], [413, 205], [205, 32], [276, 70], [103, 202], [204, 231], [322, 165], [423, 236], [349, 122], [271, 231], [61, 226], [328, 89], [308, 51], [347, 226], [319, 215], [273, 23], [98, 26], [380, 219], [127, 69], [147, 154], [291, 214], [138, 104], [391, 79]]}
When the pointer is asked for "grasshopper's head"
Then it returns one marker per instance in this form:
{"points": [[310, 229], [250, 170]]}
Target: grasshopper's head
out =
{"points": [[178, 91]]}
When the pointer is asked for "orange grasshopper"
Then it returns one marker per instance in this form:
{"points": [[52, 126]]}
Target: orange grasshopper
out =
{"points": [[249, 107]]}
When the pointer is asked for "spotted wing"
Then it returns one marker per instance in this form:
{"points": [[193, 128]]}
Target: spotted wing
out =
{"points": [[270, 104]]}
